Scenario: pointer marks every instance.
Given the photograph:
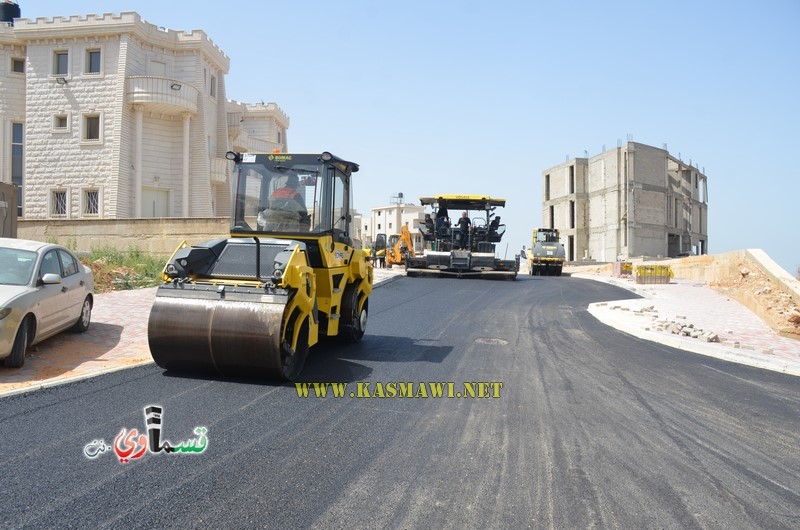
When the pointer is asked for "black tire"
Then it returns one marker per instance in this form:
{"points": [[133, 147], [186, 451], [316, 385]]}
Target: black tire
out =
{"points": [[354, 322], [292, 362], [86, 316], [17, 357]]}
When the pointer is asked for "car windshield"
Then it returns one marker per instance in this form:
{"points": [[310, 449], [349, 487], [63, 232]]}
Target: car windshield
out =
{"points": [[16, 266]]}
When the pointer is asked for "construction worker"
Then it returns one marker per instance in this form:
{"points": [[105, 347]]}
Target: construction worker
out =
{"points": [[464, 227], [289, 191], [287, 209]]}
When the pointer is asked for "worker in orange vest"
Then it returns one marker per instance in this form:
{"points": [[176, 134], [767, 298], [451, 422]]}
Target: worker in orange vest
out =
{"points": [[289, 191]]}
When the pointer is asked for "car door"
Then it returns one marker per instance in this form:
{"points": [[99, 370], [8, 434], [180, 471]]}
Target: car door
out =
{"points": [[53, 298], [71, 280]]}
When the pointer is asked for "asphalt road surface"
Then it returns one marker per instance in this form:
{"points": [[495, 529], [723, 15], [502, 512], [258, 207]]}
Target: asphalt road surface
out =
{"points": [[590, 427]]}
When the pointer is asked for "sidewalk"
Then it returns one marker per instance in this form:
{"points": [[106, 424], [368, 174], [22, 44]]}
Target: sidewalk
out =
{"points": [[116, 340], [693, 317]]}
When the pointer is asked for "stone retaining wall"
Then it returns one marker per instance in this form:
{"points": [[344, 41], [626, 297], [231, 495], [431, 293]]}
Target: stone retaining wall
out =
{"points": [[160, 236]]}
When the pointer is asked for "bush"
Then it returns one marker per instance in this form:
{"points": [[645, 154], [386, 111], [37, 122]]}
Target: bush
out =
{"points": [[118, 270]]}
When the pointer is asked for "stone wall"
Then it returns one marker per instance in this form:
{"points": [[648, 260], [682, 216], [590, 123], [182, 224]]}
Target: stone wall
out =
{"points": [[159, 236]]}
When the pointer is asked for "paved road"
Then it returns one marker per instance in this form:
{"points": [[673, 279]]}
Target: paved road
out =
{"points": [[591, 427]]}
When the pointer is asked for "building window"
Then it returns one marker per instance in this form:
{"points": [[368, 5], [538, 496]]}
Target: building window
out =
{"points": [[157, 68], [18, 65], [379, 226], [390, 226], [91, 202], [552, 217], [61, 63], [17, 138], [213, 87], [279, 136], [572, 179], [60, 123], [547, 188], [58, 203], [93, 58], [668, 210], [91, 128], [572, 214]]}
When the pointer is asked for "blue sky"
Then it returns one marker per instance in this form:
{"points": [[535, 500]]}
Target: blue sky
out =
{"points": [[480, 97]]}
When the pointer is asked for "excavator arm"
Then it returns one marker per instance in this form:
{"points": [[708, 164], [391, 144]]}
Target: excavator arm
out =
{"points": [[403, 245]]}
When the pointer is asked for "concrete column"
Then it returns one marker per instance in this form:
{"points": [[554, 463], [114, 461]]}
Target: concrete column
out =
{"points": [[187, 119], [137, 192]]}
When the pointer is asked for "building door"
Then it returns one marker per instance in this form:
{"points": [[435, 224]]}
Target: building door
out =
{"points": [[155, 202]]}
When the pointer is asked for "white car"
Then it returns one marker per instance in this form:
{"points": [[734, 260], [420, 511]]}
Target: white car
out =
{"points": [[44, 289]]}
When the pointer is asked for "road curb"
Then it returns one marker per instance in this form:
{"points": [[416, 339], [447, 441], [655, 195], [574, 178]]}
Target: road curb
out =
{"points": [[385, 281], [604, 315], [81, 377], [71, 379]]}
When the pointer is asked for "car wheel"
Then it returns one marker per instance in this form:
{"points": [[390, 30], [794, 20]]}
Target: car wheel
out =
{"points": [[86, 316], [17, 357]]}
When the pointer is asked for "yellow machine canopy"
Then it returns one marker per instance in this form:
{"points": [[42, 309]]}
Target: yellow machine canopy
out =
{"points": [[463, 202]]}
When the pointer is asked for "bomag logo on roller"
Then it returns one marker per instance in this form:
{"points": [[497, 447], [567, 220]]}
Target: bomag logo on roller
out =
{"points": [[280, 157]]}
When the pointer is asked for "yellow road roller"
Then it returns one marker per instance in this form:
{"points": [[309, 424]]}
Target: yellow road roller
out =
{"points": [[289, 274]]}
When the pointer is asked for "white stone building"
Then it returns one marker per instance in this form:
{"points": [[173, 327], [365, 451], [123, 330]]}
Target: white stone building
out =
{"points": [[390, 220], [12, 107], [122, 119]]}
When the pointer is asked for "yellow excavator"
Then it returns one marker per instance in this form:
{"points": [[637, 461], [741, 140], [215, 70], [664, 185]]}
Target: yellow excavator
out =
{"points": [[254, 303], [400, 248]]}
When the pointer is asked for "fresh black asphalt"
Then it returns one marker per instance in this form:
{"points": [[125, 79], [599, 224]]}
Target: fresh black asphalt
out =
{"points": [[591, 428]]}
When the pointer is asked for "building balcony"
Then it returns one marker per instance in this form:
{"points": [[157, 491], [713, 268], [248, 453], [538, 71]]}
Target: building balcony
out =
{"points": [[256, 145], [162, 95], [238, 134], [220, 169]]}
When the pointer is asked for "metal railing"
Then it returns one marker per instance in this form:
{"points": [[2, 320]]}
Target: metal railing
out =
{"points": [[168, 94]]}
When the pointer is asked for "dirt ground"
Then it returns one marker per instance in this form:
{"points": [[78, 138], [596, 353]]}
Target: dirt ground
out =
{"points": [[772, 304]]}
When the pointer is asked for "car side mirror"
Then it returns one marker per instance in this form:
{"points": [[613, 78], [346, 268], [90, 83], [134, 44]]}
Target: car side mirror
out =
{"points": [[51, 278]]}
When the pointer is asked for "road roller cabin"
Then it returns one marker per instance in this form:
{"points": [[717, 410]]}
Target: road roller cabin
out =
{"points": [[254, 303]]}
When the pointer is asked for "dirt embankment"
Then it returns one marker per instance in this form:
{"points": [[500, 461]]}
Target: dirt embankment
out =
{"points": [[758, 291]]}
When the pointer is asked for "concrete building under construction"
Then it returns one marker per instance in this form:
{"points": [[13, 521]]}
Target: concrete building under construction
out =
{"points": [[634, 200]]}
